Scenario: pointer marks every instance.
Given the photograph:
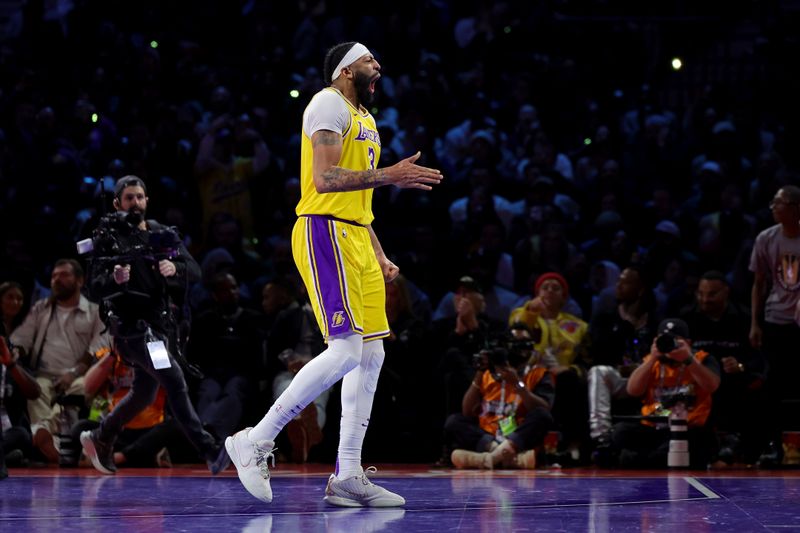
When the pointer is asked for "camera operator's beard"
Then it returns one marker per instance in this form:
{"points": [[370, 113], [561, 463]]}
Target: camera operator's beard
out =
{"points": [[134, 216]]}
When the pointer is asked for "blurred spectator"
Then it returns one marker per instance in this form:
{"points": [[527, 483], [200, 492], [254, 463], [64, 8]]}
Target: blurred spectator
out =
{"points": [[720, 327], [775, 263], [621, 337], [56, 341], [11, 301], [231, 154], [16, 386], [226, 343], [293, 339], [460, 338], [562, 340]]}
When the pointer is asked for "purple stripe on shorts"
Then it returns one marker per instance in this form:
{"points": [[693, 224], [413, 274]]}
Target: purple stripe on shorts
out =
{"points": [[328, 277]]}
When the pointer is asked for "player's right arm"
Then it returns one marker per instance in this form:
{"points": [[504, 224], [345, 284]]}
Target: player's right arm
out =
{"points": [[329, 177]]}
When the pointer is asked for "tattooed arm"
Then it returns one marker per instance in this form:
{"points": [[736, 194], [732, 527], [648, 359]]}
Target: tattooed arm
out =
{"points": [[328, 177]]}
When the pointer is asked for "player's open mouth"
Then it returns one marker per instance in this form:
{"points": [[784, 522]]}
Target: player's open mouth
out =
{"points": [[373, 82]]}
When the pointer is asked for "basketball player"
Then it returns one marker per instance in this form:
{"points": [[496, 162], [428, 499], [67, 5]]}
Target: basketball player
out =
{"points": [[344, 268]]}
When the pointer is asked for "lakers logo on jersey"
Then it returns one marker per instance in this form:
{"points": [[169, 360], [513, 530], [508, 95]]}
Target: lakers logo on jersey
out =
{"points": [[337, 320], [367, 134]]}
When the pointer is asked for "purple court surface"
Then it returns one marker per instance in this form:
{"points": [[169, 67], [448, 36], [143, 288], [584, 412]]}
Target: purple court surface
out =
{"points": [[187, 499]]}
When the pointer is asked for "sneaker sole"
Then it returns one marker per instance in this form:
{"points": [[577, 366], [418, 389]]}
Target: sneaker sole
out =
{"points": [[338, 501], [91, 453]]}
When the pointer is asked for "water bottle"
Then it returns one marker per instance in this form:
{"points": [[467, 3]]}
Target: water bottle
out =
{"points": [[678, 456]]}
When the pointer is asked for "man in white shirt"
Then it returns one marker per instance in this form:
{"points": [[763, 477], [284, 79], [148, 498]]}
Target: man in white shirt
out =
{"points": [[55, 342]]}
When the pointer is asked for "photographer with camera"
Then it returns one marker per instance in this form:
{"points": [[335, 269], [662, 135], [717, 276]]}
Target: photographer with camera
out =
{"points": [[135, 265], [506, 410], [672, 378]]}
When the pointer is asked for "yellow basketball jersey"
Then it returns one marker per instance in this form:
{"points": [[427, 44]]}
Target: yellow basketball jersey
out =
{"points": [[361, 150]]}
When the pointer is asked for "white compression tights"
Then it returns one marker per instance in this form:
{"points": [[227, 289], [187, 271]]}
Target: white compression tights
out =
{"points": [[342, 356], [358, 391]]}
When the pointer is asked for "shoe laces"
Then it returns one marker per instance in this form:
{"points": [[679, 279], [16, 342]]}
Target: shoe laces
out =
{"points": [[262, 459], [369, 470]]}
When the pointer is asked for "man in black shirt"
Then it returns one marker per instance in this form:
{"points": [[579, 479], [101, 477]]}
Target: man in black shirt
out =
{"points": [[721, 327], [136, 288]]}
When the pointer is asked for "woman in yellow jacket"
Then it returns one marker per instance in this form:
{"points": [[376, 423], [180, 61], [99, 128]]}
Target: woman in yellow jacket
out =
{"points": [[562, 341]]}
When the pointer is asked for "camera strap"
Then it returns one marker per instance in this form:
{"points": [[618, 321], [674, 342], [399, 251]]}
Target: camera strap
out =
{"points": [[662, 375]]}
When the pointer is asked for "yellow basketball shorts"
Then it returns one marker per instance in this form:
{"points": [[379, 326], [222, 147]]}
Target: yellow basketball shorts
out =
{"points": [[341, 273]]}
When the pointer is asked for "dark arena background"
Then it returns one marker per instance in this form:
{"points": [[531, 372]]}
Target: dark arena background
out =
{"points": [[631, 152]]}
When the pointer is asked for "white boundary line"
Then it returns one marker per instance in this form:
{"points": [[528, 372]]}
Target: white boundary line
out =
{"points": [[702, 488]]}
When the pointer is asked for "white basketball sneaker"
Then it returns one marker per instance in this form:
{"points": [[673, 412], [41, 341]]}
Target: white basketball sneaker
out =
{"points": [[359, 491], [251, 460]]}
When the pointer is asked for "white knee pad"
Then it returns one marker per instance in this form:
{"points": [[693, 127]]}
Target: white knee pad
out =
{"points": [[373, 361], [346, 354]]}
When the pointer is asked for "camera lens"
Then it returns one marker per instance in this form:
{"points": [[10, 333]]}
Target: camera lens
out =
{"points": [[666, 343]]}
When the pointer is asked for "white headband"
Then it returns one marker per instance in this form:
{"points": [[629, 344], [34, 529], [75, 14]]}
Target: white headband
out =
{"points": [[356, 52]]}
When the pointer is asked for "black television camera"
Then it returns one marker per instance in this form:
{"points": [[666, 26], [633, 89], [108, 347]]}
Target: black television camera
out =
{"points": [[115, 241], [110, 240], [503, 351]]}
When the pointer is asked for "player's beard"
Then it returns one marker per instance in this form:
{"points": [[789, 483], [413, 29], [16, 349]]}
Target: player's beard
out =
{"points": [[361, 82]]}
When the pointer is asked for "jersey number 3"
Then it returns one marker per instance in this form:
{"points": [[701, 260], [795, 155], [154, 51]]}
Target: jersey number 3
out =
{"points": [[371, 155]]}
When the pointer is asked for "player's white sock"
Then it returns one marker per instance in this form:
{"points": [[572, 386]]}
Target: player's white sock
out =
{"points": [[358, 392], [342, 355]]}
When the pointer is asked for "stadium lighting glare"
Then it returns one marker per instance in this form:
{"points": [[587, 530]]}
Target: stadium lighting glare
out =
{"points": [[676, 63]]}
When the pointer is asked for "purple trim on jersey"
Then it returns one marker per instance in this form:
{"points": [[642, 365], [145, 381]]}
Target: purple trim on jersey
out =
{"points": [[329, 276]]}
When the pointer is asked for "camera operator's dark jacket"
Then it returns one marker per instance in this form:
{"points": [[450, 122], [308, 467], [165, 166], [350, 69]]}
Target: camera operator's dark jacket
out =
{"points": [[148, 295]]}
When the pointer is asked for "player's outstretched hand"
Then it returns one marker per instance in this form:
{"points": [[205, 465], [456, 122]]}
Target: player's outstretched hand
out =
{"points": [[408, 175]]}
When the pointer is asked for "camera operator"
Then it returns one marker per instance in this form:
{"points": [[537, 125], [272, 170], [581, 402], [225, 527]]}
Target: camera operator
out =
{"points": [[670, 375], [506, 410], [135, 287]]}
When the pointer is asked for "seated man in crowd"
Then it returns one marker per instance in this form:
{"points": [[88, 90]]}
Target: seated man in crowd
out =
{"points": [[721, 327], [621, 337], [506, 410], [56, 341], [562, 341], [672, 377], [226, 344], [460, 338], [16, 386], [292, 341]]}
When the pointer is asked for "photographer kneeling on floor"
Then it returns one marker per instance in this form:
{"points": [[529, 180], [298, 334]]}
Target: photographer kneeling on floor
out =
{"points": [[506, 410], [672, 378]]}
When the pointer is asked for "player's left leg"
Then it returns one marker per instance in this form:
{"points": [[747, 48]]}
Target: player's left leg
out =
{"points": [[350, 486]]}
